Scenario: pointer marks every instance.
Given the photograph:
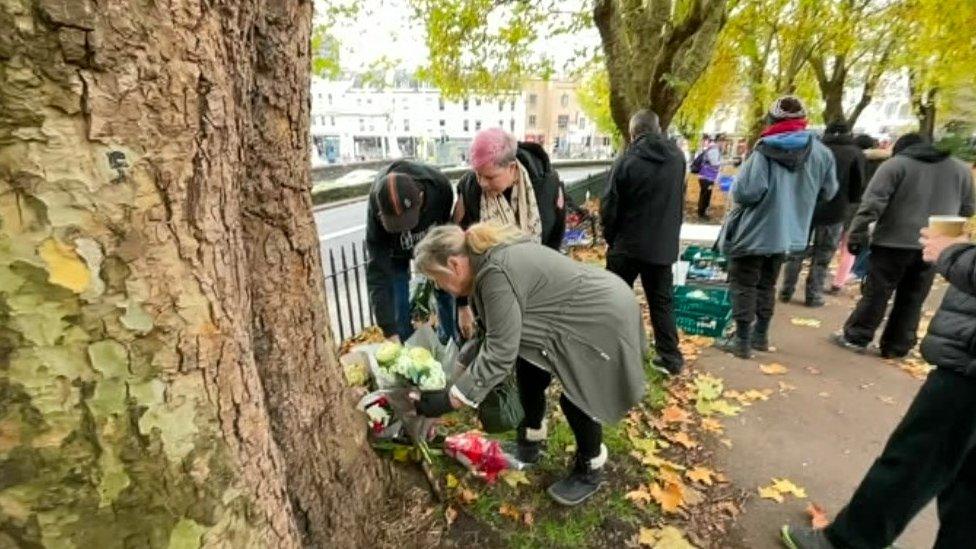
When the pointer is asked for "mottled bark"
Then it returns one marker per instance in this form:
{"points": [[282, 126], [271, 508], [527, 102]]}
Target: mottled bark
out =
{"points": [[166, 373]]}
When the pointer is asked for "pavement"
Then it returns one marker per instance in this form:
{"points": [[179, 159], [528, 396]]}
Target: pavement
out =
{"points": [[823, 435]]}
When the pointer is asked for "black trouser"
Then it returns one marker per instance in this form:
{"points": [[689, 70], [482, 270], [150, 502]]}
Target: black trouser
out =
{"points": [[704, 196], [898, 271], [532, 383], [657, 281], [752, 282], [820, 250], [931, 454]]}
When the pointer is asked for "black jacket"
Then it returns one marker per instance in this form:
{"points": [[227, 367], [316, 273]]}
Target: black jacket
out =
{"points": [[951, 340], [643, 206], [388, 251], [850, 164], [549, 195]]}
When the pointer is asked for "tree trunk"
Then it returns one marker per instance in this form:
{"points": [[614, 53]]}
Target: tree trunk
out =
{"points": [[926, 121], [166, 368], [833, 97]]}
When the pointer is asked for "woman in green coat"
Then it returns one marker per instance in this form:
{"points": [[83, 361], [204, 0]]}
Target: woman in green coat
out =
{"points": [[566, 319]]}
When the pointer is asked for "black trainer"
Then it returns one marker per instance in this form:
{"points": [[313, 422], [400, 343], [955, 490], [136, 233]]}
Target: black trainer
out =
{"points": [[583, 481], [529, 453], [735, 345], [667, 367], [804, 537]]}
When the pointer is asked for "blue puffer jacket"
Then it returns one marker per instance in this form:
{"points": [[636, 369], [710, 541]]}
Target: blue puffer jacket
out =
{"points": [[775, 193], [951, 340]]}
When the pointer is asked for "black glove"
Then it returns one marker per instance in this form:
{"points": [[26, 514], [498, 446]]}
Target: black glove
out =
{"points": [[855, 248], [434, 403]]}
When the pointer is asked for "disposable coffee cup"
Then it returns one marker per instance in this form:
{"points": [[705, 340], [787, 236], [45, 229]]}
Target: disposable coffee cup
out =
{"points": [[947, 225]]}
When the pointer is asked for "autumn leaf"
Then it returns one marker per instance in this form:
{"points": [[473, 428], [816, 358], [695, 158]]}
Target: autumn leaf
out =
{"points": [[886, 399], [511, 512], [785, 486], [683, 439], [785, 387], [670, 497], [450, 515], [514, 478], [668, 537], [806, 322], [639, 496], [720, 406], [708, 387], [701, 475], [674, 414], [774, 369], [823, 394], [528, 518], [813, 371], [727, 443], [713, 426], [666, 474], [467, 495], [769, 492], [452, 481], [818, 516]]}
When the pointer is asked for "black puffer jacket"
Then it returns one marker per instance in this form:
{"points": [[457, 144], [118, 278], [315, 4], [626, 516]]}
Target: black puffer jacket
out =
{"points": [[951, 340], [643, 205], [850, 164], [549, 194]]}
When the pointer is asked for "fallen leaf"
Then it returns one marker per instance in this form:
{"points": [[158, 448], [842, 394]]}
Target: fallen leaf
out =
{"points": [[402, 453], [510, 511], [720, 406], [667, 474], [648, 537], [785, 387], [712, 425], [528, 518], [886, 399], [702, 475], [721, 478], [812, 371], [450, 515], [674, 414], [670, 497], [514, 478], [707, 387], [683, 439], [823, 394], [727, 442], [818, 516], [806, 322], [452, 481], [639, 496], [774, 369], [729, 508], [468, 496], [772, 493], [786, 486]]}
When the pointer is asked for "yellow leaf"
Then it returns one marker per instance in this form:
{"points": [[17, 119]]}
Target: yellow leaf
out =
{"points": [[674, 414], [64, 266], [886, 399], [514, 478], [668, 537], [770, 492], [670, 497], [468, 496], [823, 394], [683, 439], [712, 425], [452, 481], [773, 369], [702, 475], [450, 515], [667, 474], [806, 322], [401, 453], [510, 511], [639, 496], [785, 486], [785, 387], [647, 537], [727, 443]]}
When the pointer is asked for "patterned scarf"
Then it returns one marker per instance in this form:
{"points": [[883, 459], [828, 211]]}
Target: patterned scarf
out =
{"points": [[522, 211]]}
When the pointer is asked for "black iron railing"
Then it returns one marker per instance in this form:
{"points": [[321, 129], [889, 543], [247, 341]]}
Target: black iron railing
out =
{"points": [[346, 292]]}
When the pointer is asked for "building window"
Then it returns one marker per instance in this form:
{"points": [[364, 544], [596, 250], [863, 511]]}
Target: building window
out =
{"points": [[466, 126], [362, 125], [477, 125], [563, 121], [440, 102], [532, 99], [511, 125], [512, 105], [501, 123], [582, 123], [372, 127], [466, 105], [406, 125], [501, 105], [477, 102], [531, 120], [564, 100], [330, 98], [606, 141], [442, 124]]}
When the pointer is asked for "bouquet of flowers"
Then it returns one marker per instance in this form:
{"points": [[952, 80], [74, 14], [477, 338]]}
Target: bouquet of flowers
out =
{"points": [[415, 364], [480, 455]]}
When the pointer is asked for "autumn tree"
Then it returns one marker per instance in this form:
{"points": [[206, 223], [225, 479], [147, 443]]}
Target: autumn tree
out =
{"points": [[653, 51], [167, 375]]}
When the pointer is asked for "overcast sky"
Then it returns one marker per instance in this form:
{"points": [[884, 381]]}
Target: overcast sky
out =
{"points": [[392, 31]]}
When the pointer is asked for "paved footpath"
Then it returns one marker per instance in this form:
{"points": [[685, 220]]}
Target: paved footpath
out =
{"points": [[823, 435]]}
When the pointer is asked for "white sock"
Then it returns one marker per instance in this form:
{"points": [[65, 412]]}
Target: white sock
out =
{"points": [[599, 461], [537, 435]]}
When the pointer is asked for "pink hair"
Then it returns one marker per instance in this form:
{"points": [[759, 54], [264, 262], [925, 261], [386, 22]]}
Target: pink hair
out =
{"points": [[493, 146]]}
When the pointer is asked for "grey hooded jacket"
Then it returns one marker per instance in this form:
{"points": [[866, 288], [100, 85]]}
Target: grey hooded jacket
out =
{"points": [[578, 322]]}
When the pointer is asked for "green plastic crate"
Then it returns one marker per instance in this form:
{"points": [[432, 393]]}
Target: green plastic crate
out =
{"points": [[700, 255], [702, 310]]}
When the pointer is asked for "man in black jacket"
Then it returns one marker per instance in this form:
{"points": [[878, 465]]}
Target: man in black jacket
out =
{"points": [[642, 211], [932, 452], [828, 218], [406, 200], [502, 169], [917, 182]]}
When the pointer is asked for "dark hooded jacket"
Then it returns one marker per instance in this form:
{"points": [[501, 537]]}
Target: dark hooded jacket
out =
{"points": [[549, 194], [850, 163], [643, 206], [918, 182], [951, 339]]}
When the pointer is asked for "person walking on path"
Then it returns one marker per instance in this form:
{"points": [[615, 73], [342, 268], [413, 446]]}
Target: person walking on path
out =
{"points": [[406, 200], [774, 196], [707, 165], [917, 182], [510, 183], [642, 211], [932, 452], [872, 159], [828, 218], [565, 319]]}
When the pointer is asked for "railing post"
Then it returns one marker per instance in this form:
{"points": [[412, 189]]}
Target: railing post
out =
{"points": [[335, 289], [345, 283], [359, 288]]}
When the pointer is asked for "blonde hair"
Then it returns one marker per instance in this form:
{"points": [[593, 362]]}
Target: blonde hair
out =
{"points": [[443, 242]]}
